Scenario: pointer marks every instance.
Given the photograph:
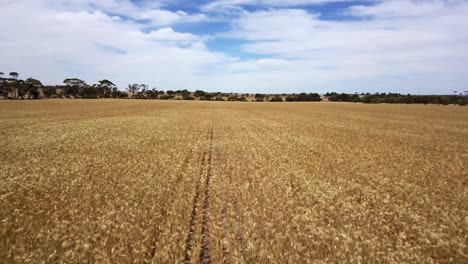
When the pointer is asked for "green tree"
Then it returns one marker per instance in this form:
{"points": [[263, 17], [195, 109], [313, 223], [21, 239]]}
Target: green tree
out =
{"points": [[153, 93], [199, 93], [188, 97], [19, 89], [14, 75], [276, 99], [49, 91], [33, 86], [3, 86], [133, 89], [143, 93], [259, 97], [185, 93], [90, 92], [75, 82], [105, 88], [73, 87]]}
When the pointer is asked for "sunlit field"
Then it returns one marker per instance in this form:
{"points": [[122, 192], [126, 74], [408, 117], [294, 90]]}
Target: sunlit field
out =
{"points": [[126, 181]]}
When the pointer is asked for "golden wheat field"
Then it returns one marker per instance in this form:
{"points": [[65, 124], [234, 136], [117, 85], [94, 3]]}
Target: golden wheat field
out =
{"points": [[111, 181]]}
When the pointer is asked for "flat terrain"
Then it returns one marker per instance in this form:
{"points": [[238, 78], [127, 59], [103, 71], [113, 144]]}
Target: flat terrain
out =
{"points": [[110, 181]]}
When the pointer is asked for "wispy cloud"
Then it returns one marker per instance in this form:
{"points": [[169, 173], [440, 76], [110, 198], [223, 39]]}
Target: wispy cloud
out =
{"points": [[239, 4], [422, 49], [402, 8], [164, 17]]}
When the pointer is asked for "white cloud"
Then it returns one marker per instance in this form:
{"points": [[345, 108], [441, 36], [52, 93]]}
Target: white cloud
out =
{"points": [[399, 49], [150, 10], [119, 7], [168, 34], [52, 45], [261, 65], [164, 17], [220, 5], [400, 8], [275, 24]]}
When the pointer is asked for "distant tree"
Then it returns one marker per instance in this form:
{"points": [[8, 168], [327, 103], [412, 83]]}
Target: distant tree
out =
{"points": [[335, 97], [199, 93], [20, 89], [3, 86], [394, 98], [105, 87], [236, 97], [14, 75], [33, 86], [184, 92], [152, 94], [166, 97], [90, 92], [304, 97], [50, 91], [71, 91], [143, 93], [356, 98], [276, 99], [75, 82], [116, 93], [3, 89], [133, 89], [170, 92], [207, 97], [259, 97], [73, 87]]}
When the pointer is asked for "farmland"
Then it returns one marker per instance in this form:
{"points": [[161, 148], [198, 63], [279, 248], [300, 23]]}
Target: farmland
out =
{"points": [[127, 181]]}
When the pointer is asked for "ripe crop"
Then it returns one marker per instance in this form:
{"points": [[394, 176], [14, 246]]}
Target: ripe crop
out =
{"points": [[123, 181]]}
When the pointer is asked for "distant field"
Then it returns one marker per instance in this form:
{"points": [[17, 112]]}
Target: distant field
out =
{"points": [[111, 181]]}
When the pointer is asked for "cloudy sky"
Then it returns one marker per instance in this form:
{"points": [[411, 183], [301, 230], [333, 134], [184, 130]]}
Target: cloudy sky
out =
{"points": [[272, 46]]}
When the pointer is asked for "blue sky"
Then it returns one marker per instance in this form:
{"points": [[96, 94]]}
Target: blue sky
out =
{"points": [[271, 46]]}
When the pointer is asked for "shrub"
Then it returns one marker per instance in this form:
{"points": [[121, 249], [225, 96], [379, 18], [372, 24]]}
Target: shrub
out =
{"points": [[199, 93], [276, 99], [166, 97]]}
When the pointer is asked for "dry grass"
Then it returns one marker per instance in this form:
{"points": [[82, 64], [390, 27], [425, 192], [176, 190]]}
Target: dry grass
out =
{"points": [[162, 182]]}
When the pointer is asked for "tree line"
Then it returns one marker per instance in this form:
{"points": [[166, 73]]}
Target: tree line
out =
{"points": [[14, 88], [397, 98]]}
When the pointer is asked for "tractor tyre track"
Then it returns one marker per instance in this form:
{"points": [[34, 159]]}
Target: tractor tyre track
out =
{"points": [[205, 256], [189, 243]]}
